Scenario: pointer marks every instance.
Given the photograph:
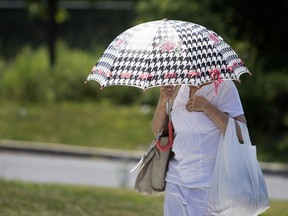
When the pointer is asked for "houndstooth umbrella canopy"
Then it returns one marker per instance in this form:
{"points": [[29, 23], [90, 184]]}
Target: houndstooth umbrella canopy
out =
{"points": [[167, 52]]}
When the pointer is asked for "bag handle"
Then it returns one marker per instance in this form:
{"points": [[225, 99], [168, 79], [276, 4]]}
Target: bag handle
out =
{"points": [[244, 133], [169, 123]]}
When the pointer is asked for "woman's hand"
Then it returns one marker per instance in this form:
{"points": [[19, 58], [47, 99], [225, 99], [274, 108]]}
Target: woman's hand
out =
{"points": [[166, 93], [196, 104], [201, 104]]}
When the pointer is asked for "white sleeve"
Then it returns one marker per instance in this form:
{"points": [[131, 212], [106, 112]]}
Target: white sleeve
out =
{"points": [[230, 101]]}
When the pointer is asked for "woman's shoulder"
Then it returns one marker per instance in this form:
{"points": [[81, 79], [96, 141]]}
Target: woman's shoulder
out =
{"points": [[228, 84], [228, 89]]}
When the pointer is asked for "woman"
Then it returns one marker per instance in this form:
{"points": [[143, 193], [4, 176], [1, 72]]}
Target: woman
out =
{"points": [[199, 116]]}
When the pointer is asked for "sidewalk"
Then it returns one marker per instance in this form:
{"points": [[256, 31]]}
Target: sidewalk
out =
{"points": [[112, 154], [68, 150]]}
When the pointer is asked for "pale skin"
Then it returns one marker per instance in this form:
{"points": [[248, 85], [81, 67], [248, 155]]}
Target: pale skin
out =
{"points": [[194, 104]]}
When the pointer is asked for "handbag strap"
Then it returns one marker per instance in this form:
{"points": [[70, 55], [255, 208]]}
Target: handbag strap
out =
{"points": [[169, 108], [168, 126], [171, 101]]}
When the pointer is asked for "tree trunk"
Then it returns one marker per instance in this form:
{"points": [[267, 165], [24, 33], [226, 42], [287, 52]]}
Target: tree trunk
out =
{"points": [[52, 30]]}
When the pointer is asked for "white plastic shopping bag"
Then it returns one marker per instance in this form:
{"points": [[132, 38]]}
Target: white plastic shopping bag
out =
{"points": [[238, 187]]}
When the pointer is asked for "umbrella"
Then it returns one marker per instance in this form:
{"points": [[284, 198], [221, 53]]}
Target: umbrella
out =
{"points": [[167, 52]]}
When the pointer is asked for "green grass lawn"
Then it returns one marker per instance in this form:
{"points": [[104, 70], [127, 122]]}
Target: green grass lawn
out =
{"points": [[27, 199], [101, 124]]}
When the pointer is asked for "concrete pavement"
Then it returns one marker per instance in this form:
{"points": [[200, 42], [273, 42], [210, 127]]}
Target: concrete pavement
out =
{"points": [[67, 150], [66, 170], [91, 152]]}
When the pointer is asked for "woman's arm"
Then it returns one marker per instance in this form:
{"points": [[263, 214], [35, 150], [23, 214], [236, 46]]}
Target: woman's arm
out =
{"points": [[160, 115], [201, 104]]}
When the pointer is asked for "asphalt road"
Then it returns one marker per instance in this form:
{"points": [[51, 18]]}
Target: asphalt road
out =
{"points": [[94, 172]]}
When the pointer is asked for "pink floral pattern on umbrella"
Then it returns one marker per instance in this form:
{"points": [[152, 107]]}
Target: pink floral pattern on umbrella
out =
{"points": [[193, 74], [170, 46], [214, 38], [216, 76]]}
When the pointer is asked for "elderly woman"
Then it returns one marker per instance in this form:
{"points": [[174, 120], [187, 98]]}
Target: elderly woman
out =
{"points": [[199, 116]]}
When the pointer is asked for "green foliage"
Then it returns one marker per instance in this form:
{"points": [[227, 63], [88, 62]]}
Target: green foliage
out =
{"points": [[70, 72], [38, 8], [264, 99], [122, 94], [194, 11], [166, 9], [28, 78]]}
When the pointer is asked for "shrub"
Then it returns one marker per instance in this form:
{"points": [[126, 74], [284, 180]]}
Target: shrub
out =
{"points": [[29, 78], [70, 72], [26, 77]]}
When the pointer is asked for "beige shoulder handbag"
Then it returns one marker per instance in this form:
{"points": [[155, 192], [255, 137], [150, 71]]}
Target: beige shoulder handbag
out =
{"points": [[153, 165]]}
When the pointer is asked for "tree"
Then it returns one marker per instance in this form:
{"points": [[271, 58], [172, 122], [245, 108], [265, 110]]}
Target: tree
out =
{"points": [[52, 15], [52, 29], [263, 24]]}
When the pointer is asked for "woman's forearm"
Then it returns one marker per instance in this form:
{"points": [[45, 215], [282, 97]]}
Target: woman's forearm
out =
{"points": [[221, 119], [159, 117], [217, 116]]}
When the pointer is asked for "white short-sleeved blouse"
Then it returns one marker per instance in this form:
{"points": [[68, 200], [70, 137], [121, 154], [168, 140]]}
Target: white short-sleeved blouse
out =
{"points": [[196, 135]]}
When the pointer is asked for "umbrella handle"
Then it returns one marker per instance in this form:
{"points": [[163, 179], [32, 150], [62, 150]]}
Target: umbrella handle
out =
{"points": [[170, 139]]}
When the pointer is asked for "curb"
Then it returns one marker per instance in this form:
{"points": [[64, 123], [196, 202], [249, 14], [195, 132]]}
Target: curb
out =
{"points": [[274, 169], [68, 150], [111, 154]]}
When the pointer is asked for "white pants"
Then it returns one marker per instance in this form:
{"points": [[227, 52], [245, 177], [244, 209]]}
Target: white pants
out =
{"points": [[183, 201]]}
